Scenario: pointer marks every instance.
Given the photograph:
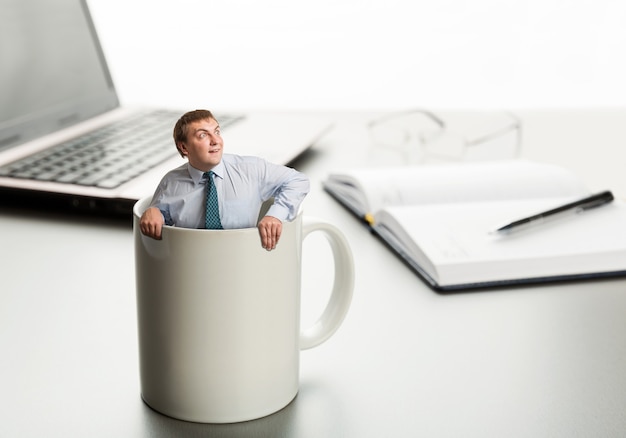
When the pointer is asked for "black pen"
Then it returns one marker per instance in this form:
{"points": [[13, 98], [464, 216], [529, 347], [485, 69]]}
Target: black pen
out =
{"points": [[574, 207]]}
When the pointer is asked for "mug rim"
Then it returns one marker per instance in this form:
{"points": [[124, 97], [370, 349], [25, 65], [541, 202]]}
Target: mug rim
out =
{"points": [[140, 203]]}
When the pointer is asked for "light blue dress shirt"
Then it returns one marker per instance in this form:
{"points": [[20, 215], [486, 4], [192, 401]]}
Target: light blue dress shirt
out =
{"points": [[243, 184]]}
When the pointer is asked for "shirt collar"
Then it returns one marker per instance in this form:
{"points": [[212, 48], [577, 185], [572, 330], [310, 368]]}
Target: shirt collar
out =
{"points": [[197, 175]]}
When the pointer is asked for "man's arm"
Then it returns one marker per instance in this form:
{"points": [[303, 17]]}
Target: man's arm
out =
{"points": [[151, 223], [289, 188]]}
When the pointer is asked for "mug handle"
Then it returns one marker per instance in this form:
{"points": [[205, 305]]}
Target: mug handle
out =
{"points": [[343, 286]]}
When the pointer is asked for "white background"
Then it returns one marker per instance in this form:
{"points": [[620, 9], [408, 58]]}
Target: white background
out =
{"points": [[354, 54]]}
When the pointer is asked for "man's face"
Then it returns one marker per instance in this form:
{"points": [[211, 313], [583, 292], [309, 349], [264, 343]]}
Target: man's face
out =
{"points": [[204, 145]]}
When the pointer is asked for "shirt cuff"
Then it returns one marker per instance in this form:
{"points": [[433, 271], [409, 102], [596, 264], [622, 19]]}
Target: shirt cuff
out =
{"points": [[279, 212], [167, 219]]}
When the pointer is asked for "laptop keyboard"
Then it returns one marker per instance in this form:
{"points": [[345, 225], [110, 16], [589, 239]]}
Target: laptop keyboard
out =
{"points": [[109, 156]]}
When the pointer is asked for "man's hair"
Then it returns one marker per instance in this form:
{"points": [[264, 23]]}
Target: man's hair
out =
{"points": [[180, 129]]}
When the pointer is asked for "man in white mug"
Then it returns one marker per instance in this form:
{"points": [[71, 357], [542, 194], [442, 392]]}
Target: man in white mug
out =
{"points": [[235, 185]]}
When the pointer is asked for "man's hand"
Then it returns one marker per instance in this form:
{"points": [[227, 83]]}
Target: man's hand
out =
{"points": [[151, 223], [269, 230]]}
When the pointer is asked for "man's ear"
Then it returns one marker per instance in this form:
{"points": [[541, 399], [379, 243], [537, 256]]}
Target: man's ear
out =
{"points": [[182, 149]]}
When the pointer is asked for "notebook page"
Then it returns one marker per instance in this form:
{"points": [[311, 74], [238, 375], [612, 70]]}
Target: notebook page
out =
{"points": [[464, 182], [457, 240]]}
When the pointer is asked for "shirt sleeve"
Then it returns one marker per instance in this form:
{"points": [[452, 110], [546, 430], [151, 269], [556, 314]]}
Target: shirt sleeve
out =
{"points": [[288, 187], [157, 201]]}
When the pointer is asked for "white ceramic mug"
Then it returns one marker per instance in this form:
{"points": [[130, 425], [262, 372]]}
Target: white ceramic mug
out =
{"points": [[219, 318]]}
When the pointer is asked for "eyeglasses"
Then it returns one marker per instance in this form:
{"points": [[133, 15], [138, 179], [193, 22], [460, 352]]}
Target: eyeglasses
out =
{"points": [[420, 136]]}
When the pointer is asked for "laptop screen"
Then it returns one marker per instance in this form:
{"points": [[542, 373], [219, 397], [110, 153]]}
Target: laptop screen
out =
{"points": [[53, 71]]}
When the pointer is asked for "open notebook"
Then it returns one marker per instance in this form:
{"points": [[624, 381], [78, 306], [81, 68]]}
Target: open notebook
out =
{"points": [[65, 140], [440, 220]]}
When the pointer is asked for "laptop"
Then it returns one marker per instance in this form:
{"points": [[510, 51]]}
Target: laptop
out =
{"points": [[66, 142]]}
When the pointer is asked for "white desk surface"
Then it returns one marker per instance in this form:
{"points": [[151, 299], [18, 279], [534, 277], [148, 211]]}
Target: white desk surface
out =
{"points": [[525, 362]]}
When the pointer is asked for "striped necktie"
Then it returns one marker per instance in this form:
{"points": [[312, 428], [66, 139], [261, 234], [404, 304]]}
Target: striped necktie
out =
{"points": [[212, 214]]}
